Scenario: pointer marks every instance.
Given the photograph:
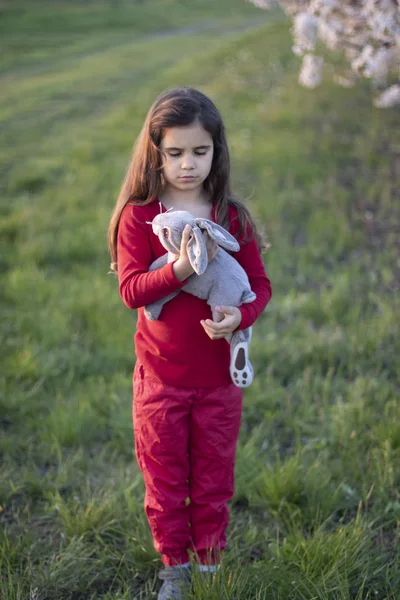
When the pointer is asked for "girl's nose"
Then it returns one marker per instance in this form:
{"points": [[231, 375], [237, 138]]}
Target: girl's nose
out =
{"points": [[187, 163]]}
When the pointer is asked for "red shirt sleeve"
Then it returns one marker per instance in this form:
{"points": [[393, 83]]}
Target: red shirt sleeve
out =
{"points": [[137, 285], [249, 258]]}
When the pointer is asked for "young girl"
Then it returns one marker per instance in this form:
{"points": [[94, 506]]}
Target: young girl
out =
{"points": [[186, 410]]}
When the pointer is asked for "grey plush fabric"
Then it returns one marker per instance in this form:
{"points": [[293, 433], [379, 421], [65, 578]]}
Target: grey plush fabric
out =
{"points": [[221, 282]]}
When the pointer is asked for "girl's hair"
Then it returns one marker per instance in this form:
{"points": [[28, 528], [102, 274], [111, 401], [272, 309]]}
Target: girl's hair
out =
{"points": [[143, 181]]}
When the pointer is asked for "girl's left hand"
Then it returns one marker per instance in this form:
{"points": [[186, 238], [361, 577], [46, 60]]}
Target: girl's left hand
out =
{"points": [[231, 321]]}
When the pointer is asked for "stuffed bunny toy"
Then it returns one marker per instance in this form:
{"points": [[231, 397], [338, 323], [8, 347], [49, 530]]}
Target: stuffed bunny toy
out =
{"points": [[221, 282]]}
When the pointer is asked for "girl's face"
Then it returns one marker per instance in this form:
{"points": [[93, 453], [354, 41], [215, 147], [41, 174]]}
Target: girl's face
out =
{"points": [[188, 155]]}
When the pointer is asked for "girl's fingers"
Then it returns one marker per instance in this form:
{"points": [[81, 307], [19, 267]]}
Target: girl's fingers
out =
{"points": [[186, 232], [221, 326], [214, 335], [227, 310]]}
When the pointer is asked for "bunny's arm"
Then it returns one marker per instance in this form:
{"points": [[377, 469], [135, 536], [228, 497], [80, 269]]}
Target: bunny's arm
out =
{"points": [[138, 286]]}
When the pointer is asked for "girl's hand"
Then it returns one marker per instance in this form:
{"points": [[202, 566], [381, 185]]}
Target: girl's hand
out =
{"points": [[182, 267], [231, 321]]}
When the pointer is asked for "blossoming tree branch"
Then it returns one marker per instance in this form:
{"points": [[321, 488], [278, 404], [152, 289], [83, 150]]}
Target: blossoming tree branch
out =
{"points": [[366, 31]]}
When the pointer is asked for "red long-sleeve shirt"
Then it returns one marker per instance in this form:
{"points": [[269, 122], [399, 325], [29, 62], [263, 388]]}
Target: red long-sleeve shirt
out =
{"points": [[175, 349]]}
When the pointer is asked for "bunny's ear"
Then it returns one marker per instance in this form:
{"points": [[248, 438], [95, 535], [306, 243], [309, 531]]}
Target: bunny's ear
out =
{"points": [[197, 251], [219, 234]]}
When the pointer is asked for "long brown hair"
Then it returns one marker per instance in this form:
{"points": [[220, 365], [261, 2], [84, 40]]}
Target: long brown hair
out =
{"points": [[143, 183]]}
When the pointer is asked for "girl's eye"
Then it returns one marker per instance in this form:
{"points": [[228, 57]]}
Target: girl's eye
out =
{"points": [[175, 154]]}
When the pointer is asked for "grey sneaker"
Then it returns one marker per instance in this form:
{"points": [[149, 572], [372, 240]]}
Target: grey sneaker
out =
{"points": [[176, 583]]}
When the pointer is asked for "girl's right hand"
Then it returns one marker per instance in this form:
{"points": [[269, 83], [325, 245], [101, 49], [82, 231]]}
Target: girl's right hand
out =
{"points": [[182, 267]]}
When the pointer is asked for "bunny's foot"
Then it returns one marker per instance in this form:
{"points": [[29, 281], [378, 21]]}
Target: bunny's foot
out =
{"points": [[240, 368]]}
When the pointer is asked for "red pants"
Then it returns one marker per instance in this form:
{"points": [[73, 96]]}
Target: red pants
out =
{"points": [[185, 442]]}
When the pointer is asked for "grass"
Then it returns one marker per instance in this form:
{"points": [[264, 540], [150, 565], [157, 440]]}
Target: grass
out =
{"points": [[316, 509]]}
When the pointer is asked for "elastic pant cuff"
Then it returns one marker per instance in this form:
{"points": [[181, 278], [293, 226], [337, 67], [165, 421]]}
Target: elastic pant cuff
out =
{"points": [[173, 561]]}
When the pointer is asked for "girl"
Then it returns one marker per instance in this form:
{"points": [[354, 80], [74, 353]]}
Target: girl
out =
{"points": [[186, 410]]}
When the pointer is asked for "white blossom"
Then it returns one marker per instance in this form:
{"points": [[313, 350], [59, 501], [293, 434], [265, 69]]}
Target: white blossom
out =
{"points": [[328, 32], [379, 65], [374, 64], [305, 31], [388, 98], [366, 31], [359, 63], [311, 71]]}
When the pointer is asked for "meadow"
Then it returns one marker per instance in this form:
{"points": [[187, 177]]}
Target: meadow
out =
{"points": [[316, 511]]}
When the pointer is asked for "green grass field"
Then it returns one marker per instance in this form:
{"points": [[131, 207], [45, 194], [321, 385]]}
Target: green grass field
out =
{"points": [[316, 511]]}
